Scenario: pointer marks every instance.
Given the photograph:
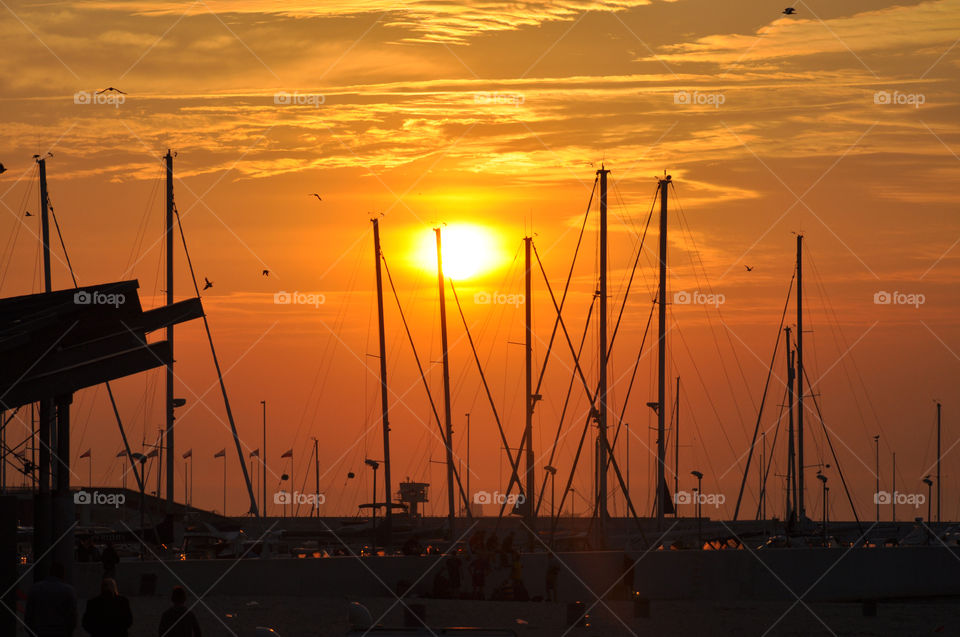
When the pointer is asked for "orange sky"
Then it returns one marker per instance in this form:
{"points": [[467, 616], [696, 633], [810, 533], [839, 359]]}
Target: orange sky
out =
{"points": [[840, 121]]}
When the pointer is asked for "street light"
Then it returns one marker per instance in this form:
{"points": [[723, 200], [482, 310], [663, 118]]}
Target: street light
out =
{"points": [[553, 478], [927, 481], [373, 464], [699, 477], [823, 480], [876, 496]]}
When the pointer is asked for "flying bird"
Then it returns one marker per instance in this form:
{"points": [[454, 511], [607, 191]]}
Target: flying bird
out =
{"points": [[110, 88], [789, 11], [27, 214], [266, 273], [313, 194], [749, 269], [2, 169], [207, 284]]}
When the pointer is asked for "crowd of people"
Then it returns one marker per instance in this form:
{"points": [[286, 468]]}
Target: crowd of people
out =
{"points": [[485, 556], [52, 609]]}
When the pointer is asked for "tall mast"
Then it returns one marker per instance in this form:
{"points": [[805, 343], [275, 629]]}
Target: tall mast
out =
{"points": [[676, 443], [446, 385], [602, 510], [384, 399], [662, 357], [44, 515], [938, 462], [168, 159], [531, 399], [791, 449], [801, 509], [316, 476]]}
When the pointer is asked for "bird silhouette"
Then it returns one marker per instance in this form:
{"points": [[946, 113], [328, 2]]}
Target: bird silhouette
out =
{"points": [[27, 214], [313, 194], [749, 269], [207, 284], [2, 169], [110, 88], [789, 11], [266, 273]]}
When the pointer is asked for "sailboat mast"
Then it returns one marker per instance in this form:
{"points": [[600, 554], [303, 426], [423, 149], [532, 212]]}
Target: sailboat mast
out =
{"points": [[791, 450], [938, 462], [44, 513], [384, 401], [801, 510], [531, 399], [676, 444], [446, 385], [168, 160], [602, 510], [662, 357]]}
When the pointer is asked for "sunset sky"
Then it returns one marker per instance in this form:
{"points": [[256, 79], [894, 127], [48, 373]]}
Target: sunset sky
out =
{"points": [[841, 122]]}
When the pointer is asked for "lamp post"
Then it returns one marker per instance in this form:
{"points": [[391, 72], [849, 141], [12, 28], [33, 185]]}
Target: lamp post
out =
{"points": [[553, 478], [823, 480], [927, 481], [373, 464], [876, 494], [699, 500]]}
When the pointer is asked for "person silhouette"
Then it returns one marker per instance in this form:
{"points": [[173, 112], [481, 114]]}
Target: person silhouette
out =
{"points": [[108, 614], [178, 620], [51, 605]]}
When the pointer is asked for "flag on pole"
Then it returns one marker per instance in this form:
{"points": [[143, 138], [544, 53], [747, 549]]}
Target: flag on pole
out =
{"points": [[188, 454], [255, 453], [85, 454], [220, 454], [288, 454]]}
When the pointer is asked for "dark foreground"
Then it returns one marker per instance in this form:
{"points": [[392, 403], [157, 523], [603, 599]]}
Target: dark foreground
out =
{"points": [[306, 617]]}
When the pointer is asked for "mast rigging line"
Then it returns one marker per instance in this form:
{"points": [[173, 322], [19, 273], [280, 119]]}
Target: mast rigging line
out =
{"points": [[773, 447], [423, 378], [223, 388], [576, 355], [113, 403], [493, 407], [833, 452], [763, 398]]}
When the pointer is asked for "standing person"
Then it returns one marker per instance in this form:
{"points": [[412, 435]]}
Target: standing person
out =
{"points": [[108, 614], [51, 606], [110, 559], [478, 572], [553, 571], [178, 620]]}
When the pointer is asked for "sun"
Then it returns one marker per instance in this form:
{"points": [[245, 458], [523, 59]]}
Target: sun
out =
{"points": [[469, 251]]}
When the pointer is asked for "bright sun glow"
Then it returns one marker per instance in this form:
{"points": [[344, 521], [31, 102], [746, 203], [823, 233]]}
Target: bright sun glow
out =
{"points": [[468, 251]]}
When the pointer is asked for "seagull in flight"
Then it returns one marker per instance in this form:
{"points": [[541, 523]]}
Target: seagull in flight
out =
{"points": [[789, 11], [266, 273], [110, 88], [2, 169], [313, 194], [207, 284], [27, 214], [749, 268]]}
